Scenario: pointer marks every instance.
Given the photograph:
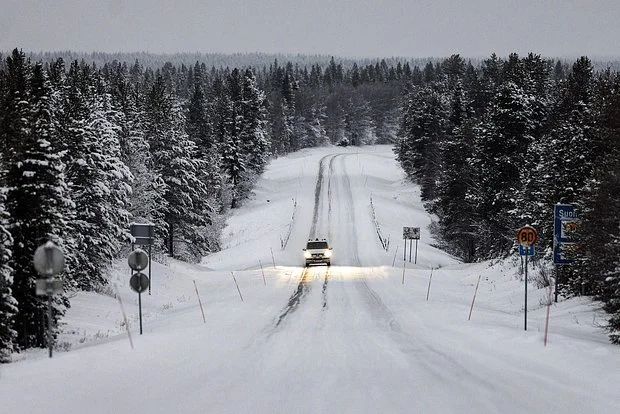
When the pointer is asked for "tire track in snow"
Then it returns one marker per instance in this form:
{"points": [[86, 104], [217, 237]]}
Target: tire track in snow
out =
{"points": [[324, 290], [303, 287], [384, 316], [379, 310], [318, 200]]}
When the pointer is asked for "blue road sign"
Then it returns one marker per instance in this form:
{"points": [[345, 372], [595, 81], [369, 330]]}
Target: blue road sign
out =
{"points": [[565, 222], [526, 251]]}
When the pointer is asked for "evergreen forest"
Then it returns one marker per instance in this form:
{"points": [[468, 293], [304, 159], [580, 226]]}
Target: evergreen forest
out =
{"points": [[88, 147]]}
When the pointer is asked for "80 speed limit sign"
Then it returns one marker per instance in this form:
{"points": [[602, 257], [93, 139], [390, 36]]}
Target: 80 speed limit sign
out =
{"points": [[527, 236]]}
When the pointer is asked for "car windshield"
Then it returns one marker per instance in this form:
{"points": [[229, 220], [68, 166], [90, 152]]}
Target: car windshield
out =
{"points": [[317, 245]]}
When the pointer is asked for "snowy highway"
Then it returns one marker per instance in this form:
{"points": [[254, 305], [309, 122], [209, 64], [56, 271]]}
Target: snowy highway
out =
{"points": [[357, 337]]}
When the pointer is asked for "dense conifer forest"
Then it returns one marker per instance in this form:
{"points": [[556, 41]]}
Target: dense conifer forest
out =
{"points": [[91, 144]]}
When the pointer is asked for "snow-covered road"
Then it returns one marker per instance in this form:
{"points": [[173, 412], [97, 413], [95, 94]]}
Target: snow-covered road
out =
{"points": [[357, 337]]}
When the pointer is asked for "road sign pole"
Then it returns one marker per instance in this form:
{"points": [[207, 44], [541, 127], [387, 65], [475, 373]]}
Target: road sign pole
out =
{"points": [[49, 260], [410, 245], [149, 269], [557, 281], [405, 251], [140, 310], [49, 323], [416, 252], [525, 314]]}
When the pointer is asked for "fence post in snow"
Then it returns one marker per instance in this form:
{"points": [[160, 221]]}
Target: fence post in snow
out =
{"points": [[549, 300], [394, 260], [474, 299], [273, 260], [120, 302], [428, 291], [262, 271], [200, 303], [404, 263], [236, 284]]}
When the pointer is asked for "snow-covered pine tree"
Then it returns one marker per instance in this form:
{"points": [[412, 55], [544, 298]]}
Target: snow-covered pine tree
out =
{"points": [[146, 201], [200, 130], [175, 160], [8, 304], [317, 135], [99, 180], [422, 129], [253, 130], [502, 140], [36, 200], [567, 153], [599, 256], [450, 204]]}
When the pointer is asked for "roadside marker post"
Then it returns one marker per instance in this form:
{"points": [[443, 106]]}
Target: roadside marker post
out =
{"points": [[394, 260], [474, 299], [263, 272], [120, 302], [428, 291], [549, 299], [236, 284], [200, 303]]}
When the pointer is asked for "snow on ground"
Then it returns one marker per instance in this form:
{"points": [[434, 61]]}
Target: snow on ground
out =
{"points": [[357, 337]]}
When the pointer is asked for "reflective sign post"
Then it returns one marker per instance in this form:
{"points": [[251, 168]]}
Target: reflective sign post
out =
{"points": [[143, 234], [49, 260], [411, 233], [138, 260], [526, 236]]}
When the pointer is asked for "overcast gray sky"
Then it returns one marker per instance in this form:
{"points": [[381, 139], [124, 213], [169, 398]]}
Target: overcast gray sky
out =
{"points": [[348, 28]]}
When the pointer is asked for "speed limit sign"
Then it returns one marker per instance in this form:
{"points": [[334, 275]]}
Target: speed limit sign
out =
{"points": [[527, 236]]}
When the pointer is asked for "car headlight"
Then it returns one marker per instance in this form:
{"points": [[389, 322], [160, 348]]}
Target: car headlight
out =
{"points": [[307, 255], [328, 253]]}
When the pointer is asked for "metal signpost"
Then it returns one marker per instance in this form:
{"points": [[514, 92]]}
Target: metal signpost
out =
{"points": [[565, 222], [411, 233], [144, 235], [139, 282], [526, 236], [49, 260]]}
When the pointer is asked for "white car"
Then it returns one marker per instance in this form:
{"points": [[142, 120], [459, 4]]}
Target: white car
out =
{"points": [[318, 251]]}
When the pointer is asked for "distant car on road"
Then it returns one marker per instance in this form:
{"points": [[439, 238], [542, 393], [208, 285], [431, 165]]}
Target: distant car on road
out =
{"points": [[317, 252]]}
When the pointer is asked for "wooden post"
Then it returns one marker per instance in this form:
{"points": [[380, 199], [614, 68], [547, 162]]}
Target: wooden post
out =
{"points": [[236, 284], [200, 303], [394, 260], [263, 272], [474, 299], [120, 302], [547, 319], [428, 291]]}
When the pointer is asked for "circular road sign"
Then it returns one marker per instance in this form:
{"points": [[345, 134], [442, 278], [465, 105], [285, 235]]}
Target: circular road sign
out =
{"points": [[139, 282], [48, 259], [138, 260], [527, 236]]}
